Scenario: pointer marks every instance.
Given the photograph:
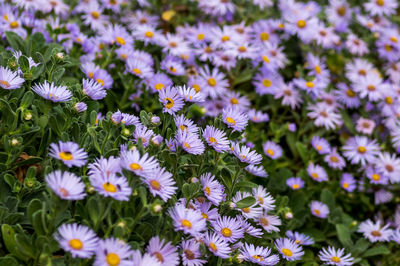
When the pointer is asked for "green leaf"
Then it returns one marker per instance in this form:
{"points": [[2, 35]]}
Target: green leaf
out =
{"points": [[246, 202], [24, 245], [302, 150], [379, 250], [8, 234], [57, 74], [246, 184], [328, 198], [16, 42], [27, 99], [33, 206], [94, 210], [344, 235]]}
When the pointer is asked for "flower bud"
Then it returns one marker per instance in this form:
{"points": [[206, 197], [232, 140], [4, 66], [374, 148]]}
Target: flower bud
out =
{"points": [[232, 205], [157, 208], [60, 56], [80, 107], [126, 132], [194, 180], [14, 142], [155, 120], [28, 116], [121, 224], [288, 215]]}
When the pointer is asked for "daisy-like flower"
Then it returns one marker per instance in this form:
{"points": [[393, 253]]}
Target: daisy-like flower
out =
{"points": [[270, 223], [184, 124], [257, 116], [10, 80], [317, 173], [160, 183], [375, 232], [191, 143], [389, 165], [140, 165], [321, 145], [258, 255], [69, 152], [217, 245], [256, 170], [66, 185], [139, 68], [79, 240], [289, 249], [212, 189], [250, 229], [144, 134], [163, 251], [324, 115], [171, 100], [376, 177], [396, 235], [360, 149], [228, 228], [216, 83], [348, 182], [159, 81], [300, 238], [52, 92], [252, 212], [272, 150], [113, 251], [234, 99], [381, 7], [105, 166], [334, 160], [383, 196], [290, 96], [295, 183], [319, 209], [216, 138], [347, 96], [264, 199], [187, 220], [331, 256], [191, 253], [371, 86], [365, 126], [244, 154], [208, 213], [111, 186], [173, 66], [93, 89], [190, 94]]}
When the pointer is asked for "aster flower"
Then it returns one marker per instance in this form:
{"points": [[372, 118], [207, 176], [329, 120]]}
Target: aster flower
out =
{"points": [[159, 81], [216, 138], [376, 177], [111, 186], [228, 228], [319, 209], [190, 94], [381, 7], [244, 154], [334, 160], [270, 223], [144, 134], [113, 251], [93, 89], [79, 240], [365, 126], [191, 143], [140, 165], [252, 212], [324, 115], [331, 256], [300, 238], [103, 166], [257, 116], [348, 182], [295, 183], [208, 213], [216, 83], [139, 68], [69, 153], [258, 255], [52, 92], [256, 170], [171, 100], [317, 173], [249, 228], [289, 249], [375, 232], [163, 251], [187, 220], [264, 199], [272, 150], [217, 245], [347, 96], [10, 80], [173, 66], [212, 189], [389, 165], [160, 183], [191, 253], [66, 185], [185, 125], [383, 196], [360, 149]]}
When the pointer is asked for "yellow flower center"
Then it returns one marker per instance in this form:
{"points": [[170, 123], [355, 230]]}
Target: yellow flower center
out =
{"points": [[109, 187], [335, 259], [135, 166], [159, 86], [287, 252], [317, 69], [64, 192], [196, 87], [213, 247], [95, 14], [120, 40], [231, 121], [388, 47], [295, 186], [270, 152], [155, 185], [100, 81], [4, 83], [159, 257], [341, 11], [75, 244], [225, 38], [170, 103], [264, 221], [317, 212], [346, 185], [212, 82], [361, 149], [389, 100], [226, 232], [371, 88], [212, 140], [265, 59], [334, 159], [256, 257], [137, 71], [66, 156], [186, 223], [113, 259], [261, 200], [242, 49], [205, 216], [207, 190], [350, 93], [246, 210], [310, 84], [380, 2], [149, 34], [376, 233], [301, 23], [234, 101], [91, 75], [376, 177], [264, 36], [266, 83], [314, 175], [201, 36], [14, 24], [394, 39], [186, 145]]}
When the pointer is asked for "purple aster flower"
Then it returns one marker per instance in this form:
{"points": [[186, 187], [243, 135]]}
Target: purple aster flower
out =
{"points": [[321, 145], [334, 160], [292, 127], [185, 124], [252, 212], [249, 228], [212, 189], [191, 143], [396, 235], [244, 154], [256, 170], [376, 177], [347, 96], [264, 199], [80, 107], [106, 167], [216, 83], [383, 196], [300, 238], [317, 173], [348, 182], [102, 77], [389, 165], [295, 183], [139, 68], [228, 228], [159, 81], [365, 126], [93, 89], [160, 183], [191, 253], [140, 165], [173, 66], [113, 251], [208, 213], [289, 249], [163, 251], [324, 115], [68, 152], [360, 149], [381, 7], [375, 232], [53, 93], [319, 209], [217, 245], [66, 185], [331, 256], [187, 220], [111, 186], [10, 80], [272, 150], [190, 94], [171, 100], [216, 138], [79, 240], [257, 116], [270, 223], [258, 255], [144, 134]]}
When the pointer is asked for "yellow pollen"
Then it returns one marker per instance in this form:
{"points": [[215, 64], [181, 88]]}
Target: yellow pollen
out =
{"points": [[14, 24], [314, 175], [226, 232], [266, 83], [376, 233], [256, 257], [186, 145], [234, 101], [264, 36], [334, 159], [201, 36], [91, 75], [389, 100], [183, 127], [186, 223], [155, 185], [388, 47], [376, 177], [287, 252], [265, 59], [317, 212], [317, 69], [301, 23], [4, 83], [159, 86], [159, 257], [261, 200], [95, 14], [335, 259], [231, 121], [113, 259], [196, 87], [173, 44], [361, 149], [212, 140], [75, 244], [225, 38], [341, 11], [137, 71], [371, 88], [319, 147], [394, 39], [270, 152], [170, 103], [172, 69], [100, 81], [346, 185], [213, 247], [207, 190], [205, 216], [212, 82], [64, 192], [242, 49], [310, 84], [120, 40], [295, 186], [109, 187], [149, 34], [135, 166], [66, 156], [350, 93], [246, 210], [281, 25], [380, 2]]}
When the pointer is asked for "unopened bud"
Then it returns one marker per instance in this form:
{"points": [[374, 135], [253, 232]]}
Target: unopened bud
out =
{"points": [[232, 205], [289, 215], [14, 142], [194, 180], [155, 120], [60, 56], [121, 224], [157, 208], [28, 116], [126, 132]]}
